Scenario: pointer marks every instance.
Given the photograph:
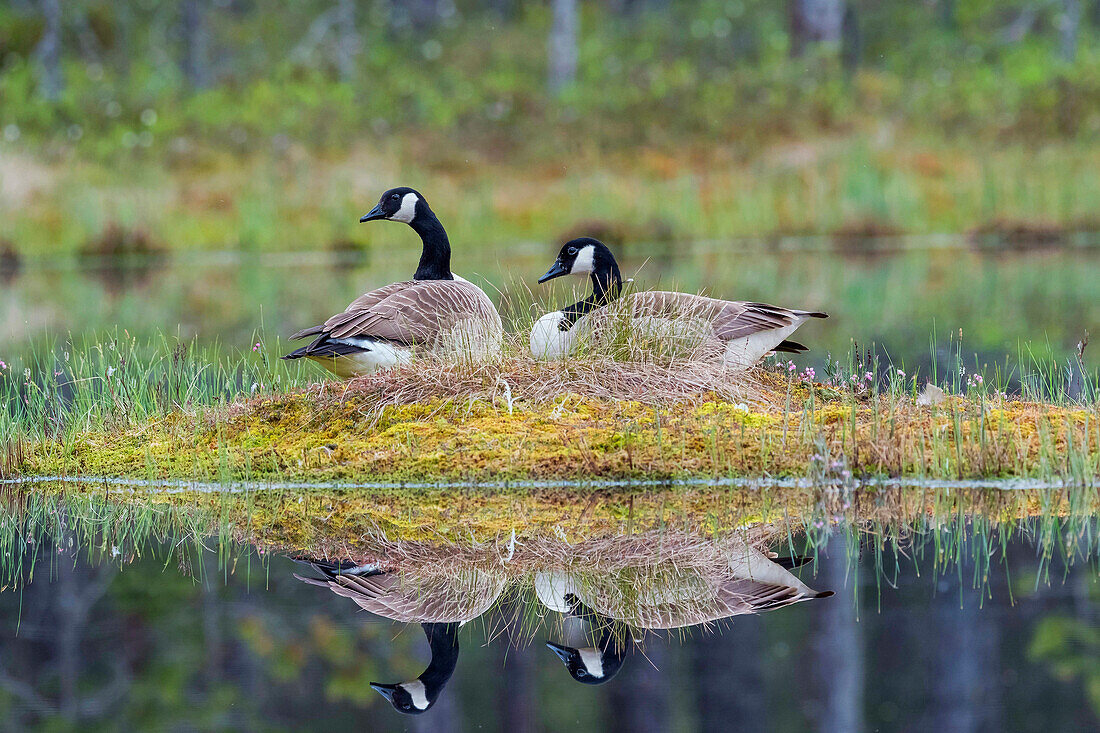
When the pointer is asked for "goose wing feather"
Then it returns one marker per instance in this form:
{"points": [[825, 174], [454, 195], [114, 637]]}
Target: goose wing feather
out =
{"points": [[744, 595], [363, 303], [409, 313], [730, 319], [447, 600], [734, 597]]}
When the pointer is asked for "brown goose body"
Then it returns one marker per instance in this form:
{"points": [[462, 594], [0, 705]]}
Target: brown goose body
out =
{"points": [[388, 326]]}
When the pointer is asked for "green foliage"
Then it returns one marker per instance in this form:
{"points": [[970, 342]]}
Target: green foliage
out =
{"points": [[710, 72], [1071, 650]]}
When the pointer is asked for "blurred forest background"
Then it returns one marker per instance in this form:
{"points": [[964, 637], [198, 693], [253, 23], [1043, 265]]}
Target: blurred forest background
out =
{"points": [[268, 124]]}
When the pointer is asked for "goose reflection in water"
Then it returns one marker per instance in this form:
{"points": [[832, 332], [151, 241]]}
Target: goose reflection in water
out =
{"points": [[653, 590], [742, 580], [439, 603]]}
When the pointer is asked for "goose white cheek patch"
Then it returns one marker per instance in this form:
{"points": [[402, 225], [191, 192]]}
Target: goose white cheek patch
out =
{"points": [[417, 693], [592, 662], [583, 264], [408, 208]]}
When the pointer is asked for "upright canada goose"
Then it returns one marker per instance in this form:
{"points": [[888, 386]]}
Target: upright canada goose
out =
{"points": [[439, 604], [741, 332], [436, 313], [751, 582]]}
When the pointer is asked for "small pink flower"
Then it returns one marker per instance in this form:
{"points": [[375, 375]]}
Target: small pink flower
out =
{"points": [[901, 374], [868, 376], [790, 366], [256, 346]]}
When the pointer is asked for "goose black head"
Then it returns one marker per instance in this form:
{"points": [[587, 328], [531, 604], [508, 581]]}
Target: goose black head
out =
{"points": [[420, 694], [590, 666], [584, 257], [408, 206], [406, 697], [402, 204]]}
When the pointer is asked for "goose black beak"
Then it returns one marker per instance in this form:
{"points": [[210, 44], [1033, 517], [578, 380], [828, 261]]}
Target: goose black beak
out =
{"points": [[563, 652], [385, 690], [375, 213], [556, 271]]}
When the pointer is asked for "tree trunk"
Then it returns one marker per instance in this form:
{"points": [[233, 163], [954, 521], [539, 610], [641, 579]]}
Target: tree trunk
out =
{"points": [[815, 21], [837, 649], [727, 667], [444, 717], [1069, 20], [347, 39], [638, 696], [48, 51], [946, 14], [518, 702], [196, 44], [422, 14], [563, 45], [964, 650]]}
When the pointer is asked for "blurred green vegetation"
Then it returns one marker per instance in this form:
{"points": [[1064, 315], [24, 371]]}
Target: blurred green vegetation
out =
{"points": [[671, 74], [267, 125]]}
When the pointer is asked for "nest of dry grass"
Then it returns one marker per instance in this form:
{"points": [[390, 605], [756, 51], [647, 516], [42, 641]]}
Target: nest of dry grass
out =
{"points": [[514, 379]]}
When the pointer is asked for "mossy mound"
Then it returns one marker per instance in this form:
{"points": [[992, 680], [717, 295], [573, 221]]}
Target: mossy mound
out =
{"points": [[792, 429]]}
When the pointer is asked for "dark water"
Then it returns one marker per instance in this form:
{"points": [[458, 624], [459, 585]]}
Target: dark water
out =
{"points": [[895, 293], [148, 647]]}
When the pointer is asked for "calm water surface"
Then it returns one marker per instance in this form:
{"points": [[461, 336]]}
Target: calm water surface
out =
{"points": [[148, 647], [893, 293], [141, 645]]}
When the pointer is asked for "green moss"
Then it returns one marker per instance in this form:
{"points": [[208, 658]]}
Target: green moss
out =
{"points": [[295, 436]]}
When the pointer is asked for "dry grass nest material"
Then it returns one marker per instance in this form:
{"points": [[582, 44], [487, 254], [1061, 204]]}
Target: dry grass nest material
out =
{"points": [[516, 378]]}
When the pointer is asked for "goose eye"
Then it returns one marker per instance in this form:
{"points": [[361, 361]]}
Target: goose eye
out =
{"points": [[571, 251], [581, 673], [395, 197]]}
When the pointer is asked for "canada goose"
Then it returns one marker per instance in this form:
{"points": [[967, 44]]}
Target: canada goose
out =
{"points": [[747, 582], [439, 604], [435, 313], [743, 333]]}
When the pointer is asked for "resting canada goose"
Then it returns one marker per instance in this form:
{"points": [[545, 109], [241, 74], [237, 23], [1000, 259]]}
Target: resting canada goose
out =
{"points": [[436, 313], [742, 332], [439, 604]]}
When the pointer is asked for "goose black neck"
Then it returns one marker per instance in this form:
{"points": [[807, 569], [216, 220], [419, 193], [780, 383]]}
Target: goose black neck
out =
{"points": [[607, 284], [443, 641], [616, 640], [435, 260]]}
